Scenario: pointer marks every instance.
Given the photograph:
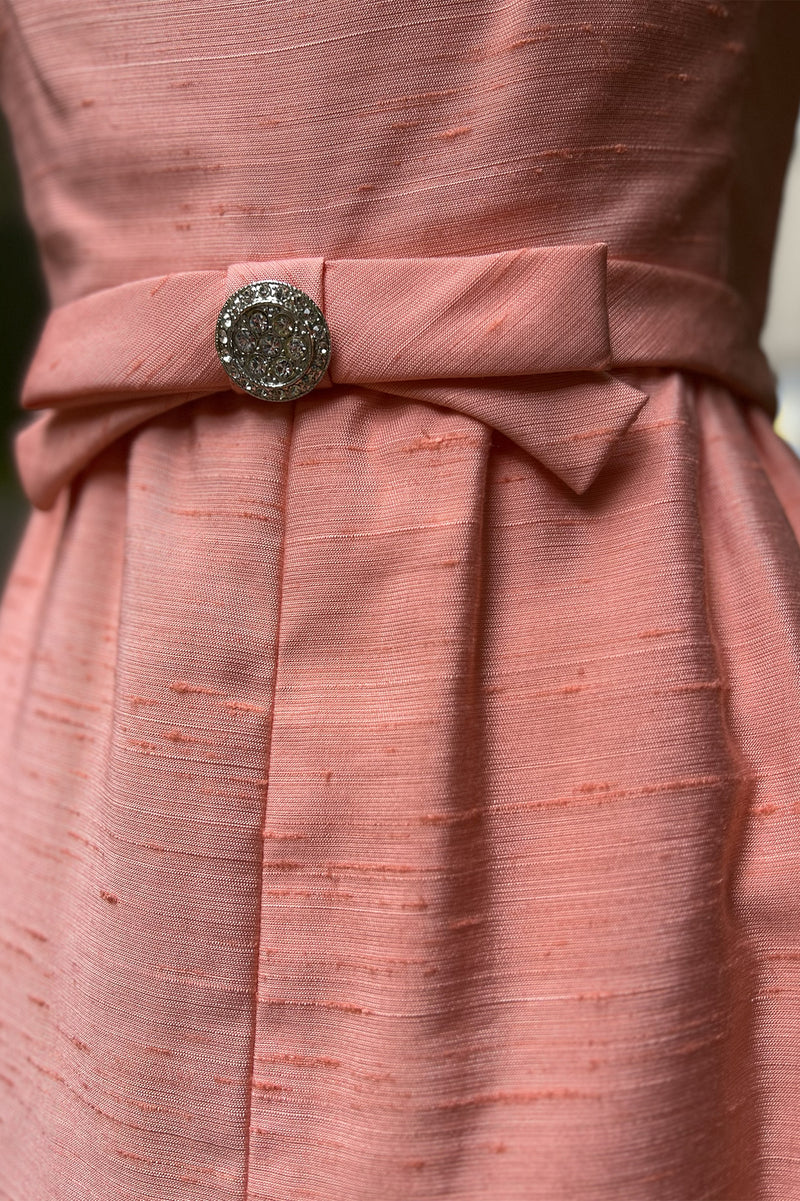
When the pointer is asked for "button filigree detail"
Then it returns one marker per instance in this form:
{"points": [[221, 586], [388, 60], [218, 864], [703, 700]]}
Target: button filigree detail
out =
{"points": [[273, 340]]}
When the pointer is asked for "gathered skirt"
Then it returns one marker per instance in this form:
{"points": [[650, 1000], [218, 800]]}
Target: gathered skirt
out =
{"points": [[379, 818]]}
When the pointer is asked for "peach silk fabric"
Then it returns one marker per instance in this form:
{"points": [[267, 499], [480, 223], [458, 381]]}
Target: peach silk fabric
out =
{"points": [[399, 788]]}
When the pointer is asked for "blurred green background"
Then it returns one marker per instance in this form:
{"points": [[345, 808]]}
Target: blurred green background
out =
{"points": [[23, 303]]}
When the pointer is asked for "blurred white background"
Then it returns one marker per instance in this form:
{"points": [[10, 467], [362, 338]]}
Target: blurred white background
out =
{"points": [[781, 335]]}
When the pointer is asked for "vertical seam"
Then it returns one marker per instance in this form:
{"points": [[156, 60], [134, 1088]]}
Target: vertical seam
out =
{"points": [[735, 939], [264, 808]]}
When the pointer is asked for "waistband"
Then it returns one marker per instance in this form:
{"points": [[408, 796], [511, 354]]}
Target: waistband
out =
{"points": [[526, 340]]}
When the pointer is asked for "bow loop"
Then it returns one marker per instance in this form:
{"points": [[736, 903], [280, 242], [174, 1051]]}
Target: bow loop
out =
{"points": [[525, 340]]}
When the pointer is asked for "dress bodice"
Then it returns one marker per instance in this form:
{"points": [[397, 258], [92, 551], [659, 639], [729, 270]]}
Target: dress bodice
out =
{"points": [[186, 136]]}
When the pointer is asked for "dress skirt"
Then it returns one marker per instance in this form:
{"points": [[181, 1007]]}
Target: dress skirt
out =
{"points": [[382, 818]]}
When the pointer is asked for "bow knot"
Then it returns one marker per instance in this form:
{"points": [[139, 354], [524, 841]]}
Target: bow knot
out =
{"points": [[524, 340]]}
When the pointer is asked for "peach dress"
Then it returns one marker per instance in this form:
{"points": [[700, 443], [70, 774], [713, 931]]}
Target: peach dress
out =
{"points": [[399, 786]]}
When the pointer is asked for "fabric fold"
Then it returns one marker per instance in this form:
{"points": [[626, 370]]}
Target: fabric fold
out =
{"points": [[525, 340]]}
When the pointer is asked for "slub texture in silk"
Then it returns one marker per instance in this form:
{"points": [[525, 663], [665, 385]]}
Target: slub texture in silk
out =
{"points": [[399, 787]]}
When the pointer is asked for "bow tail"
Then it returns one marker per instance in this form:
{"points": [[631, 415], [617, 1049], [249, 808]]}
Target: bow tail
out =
{"points": [[570, 423], [51, 450]]}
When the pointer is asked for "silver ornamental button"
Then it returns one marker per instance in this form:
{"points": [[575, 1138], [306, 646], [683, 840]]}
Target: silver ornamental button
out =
{"points": [[272, 340]]}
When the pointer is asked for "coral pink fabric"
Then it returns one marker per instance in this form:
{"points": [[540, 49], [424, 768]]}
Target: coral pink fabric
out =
{"points": [[399, 788]]}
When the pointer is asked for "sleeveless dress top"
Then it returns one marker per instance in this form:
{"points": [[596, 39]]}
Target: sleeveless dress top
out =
{"points": [[399, 786]]}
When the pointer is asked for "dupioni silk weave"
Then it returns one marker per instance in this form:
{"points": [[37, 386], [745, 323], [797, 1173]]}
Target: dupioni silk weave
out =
{"points": [[399, 787]]}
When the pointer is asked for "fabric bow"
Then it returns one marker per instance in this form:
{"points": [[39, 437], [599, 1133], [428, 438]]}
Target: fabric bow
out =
{"points": [[524, 340]]}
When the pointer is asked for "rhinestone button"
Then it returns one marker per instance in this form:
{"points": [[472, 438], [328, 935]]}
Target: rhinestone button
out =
{"points": [[272, 340]]}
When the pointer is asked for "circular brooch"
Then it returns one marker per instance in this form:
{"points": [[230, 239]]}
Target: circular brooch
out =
{"points": [[273, 340]]}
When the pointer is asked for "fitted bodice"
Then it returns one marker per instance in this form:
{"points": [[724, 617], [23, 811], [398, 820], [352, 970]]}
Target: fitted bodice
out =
{"points": [[272, 131]]}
